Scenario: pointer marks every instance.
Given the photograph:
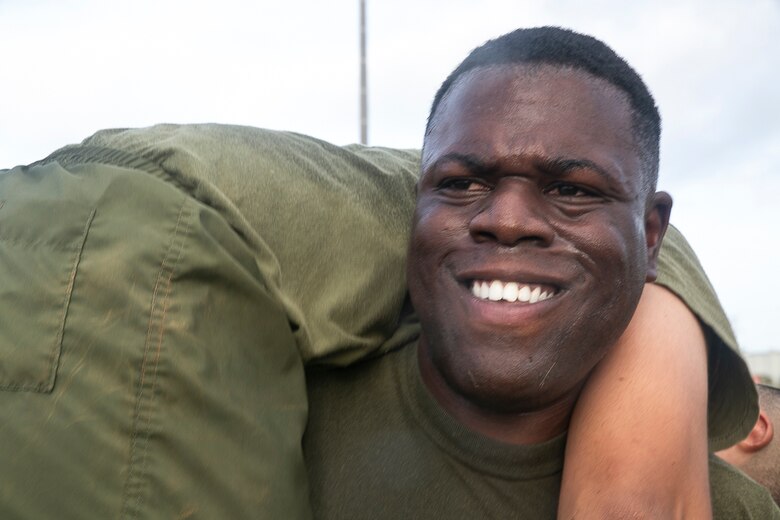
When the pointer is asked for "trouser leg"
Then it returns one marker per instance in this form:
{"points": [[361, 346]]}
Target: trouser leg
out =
{"points": [[145, 372]]}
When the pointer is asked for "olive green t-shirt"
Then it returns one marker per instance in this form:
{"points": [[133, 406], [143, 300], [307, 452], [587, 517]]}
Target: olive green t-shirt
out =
{"points": [[378, 446]]}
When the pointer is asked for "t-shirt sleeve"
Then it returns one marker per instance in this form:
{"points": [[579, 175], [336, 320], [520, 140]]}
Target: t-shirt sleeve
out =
{"points": [[733, 403], [735, 496]]}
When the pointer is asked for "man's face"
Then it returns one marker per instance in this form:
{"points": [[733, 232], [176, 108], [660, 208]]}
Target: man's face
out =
{"points": [[528, 250]]}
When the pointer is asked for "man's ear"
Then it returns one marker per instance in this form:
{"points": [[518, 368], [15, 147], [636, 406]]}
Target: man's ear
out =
{"points": [[760, 435], [656, 222]]}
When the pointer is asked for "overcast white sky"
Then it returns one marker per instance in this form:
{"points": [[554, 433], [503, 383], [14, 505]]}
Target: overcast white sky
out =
{"points": [[71, 67]]}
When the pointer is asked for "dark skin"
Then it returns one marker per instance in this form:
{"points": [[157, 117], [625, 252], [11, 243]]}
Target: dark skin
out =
{"points": [[530, 176]]}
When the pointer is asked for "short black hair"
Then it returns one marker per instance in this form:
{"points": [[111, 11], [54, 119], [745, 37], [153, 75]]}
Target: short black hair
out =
{"points": [[769, 400], [566, 48]]}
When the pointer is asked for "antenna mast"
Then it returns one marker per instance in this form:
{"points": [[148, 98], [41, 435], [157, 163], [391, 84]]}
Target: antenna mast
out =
{"points": [[363, 94]]}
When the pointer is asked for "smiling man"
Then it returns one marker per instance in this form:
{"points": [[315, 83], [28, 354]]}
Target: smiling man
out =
{"points": [[533, 195], [537, 224]]}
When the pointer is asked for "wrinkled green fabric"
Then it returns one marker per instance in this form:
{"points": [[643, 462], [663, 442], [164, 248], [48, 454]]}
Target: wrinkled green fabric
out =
{"points": [[336, 219], [733, 403], [145, 369]]}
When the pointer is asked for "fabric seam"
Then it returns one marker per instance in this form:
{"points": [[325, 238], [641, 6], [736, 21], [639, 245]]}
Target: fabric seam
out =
{"points": [[142, 415]]}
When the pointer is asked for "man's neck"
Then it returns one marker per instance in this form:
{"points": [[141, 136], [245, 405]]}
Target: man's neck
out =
{"points": [[515, 427]]}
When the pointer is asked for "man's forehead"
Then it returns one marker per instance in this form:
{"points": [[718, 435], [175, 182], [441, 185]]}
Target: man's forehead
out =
{"points": [[520, 77], [538, 110]]}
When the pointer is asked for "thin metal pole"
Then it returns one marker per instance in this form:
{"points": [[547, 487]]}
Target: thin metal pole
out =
{"points": [[363, 88]]}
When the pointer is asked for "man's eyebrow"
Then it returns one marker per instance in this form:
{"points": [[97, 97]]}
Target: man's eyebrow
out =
{"points": [[556, 166], [470, 161], [563, 165]]}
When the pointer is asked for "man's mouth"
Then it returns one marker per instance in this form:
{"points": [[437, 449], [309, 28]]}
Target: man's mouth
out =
{"points": [[498, 290]]}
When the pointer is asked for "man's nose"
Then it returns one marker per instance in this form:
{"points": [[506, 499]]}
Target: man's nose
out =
{"points": [[515, 212]]}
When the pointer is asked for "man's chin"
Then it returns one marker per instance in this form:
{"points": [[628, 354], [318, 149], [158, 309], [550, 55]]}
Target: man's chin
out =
{"points": [[508, 386]]}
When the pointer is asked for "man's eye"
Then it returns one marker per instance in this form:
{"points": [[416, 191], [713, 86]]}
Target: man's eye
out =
{"points": [[569, 190], [468, 185]]}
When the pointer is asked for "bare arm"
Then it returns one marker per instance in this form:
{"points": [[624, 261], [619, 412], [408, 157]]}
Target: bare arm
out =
{"points": [[637, 445]]}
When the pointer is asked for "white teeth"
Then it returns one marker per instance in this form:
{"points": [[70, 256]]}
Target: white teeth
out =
{"points": [[510, 292], [497, 290], [524, 294]]}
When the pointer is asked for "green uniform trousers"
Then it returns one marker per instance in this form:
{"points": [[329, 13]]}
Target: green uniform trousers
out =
{"points": [[158, 379]]}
